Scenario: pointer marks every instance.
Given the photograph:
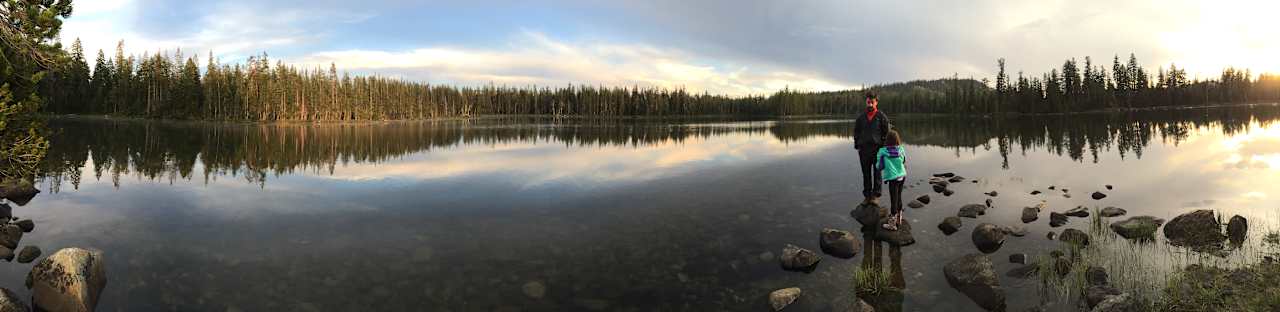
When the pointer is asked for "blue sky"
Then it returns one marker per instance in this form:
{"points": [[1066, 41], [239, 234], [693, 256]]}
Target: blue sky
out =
{"points": [[735, 47]]}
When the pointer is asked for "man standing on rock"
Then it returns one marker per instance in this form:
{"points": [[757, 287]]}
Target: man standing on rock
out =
{"points": [[869, 132]]}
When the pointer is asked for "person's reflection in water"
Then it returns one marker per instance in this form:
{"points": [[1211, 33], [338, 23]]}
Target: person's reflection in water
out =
{"points": [[888, 298]]}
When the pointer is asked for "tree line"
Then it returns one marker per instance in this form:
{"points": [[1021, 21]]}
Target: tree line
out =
{"points": [[165, 85]]}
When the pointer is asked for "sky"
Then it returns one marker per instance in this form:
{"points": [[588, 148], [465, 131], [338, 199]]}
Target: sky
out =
{"points": [[731, 47]]}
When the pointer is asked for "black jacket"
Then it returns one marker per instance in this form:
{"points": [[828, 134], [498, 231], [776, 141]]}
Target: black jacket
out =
{"points": [[870, 132]]}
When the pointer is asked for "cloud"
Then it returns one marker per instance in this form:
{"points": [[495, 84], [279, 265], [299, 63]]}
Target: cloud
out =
{"points": [[534, 58]]}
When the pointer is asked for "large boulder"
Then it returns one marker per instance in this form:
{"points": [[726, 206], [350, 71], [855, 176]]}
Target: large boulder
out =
{"points": [[1237, 229], [68, 280], [19, 192], [900, 237], [950, 225], [1057, 219], [1074, 237], [1030, 214], [1138, 228], [10, 302], [973, 276], [10, 235], [972, 210], [840, 244], [781, 298], [988, 237], [869, 215], [795, 258], [1078, 211], [1110, 212], [1197, 229]]}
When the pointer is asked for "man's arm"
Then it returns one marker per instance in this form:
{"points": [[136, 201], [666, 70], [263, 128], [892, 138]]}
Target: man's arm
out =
{"points": [[884, 128], [857, 129]]}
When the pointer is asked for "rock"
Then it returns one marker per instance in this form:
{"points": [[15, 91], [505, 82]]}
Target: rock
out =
{"points": [[795, 258], [988, 202], [1098, 195], [1237, 229], [1050, 235], [1064, 190], [6, 212], [781, 298], [950, 225], [972, 211], [992, 193], [1197, 229], [1096, 294], [915, 204], [1030, 214], [1078, 211], [840, 244], [68, 280], [944, 175], [923, 199], [1064, 195], [6, 253], [1051, 187], [1111, 212], [1019, 258], [862, 306], [899, 238], [1118, 303], [1074, 237], [947, 192], [1036, 192], [1108, 187], [1057, 219], [973, 276], [937, 188], [956, 179], [1095, 276], [10, 235], [28, 254], [10, 302], [1015, 230], [18, 192], [988, 237], [1137, 228], [534, 289], [26, 225], [869, 215]]}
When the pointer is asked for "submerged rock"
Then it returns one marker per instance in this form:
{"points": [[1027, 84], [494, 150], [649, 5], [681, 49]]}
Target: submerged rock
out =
{"points": [[1036, 192], [923, 199], [1108, 187], [898, 238], [10, 235], [973, 276], [26, 225], [947, 192], [1078, 211], [1237, 229], [28, 254], [992, 193], [944, 175], [1015, 230], [1074, 237], [1057, 219], [1023, 271], [937, 188], [1051, 235], [988, 202], [1110, 212], [1019, 258], [988, 237], [956, 179], [950, 225], [915, 204], [1118, 303], [1095, 275], [795, 258], [1096, 294], [779, 299], [972, 211], [10, 302], [6, 254], [1030, 214], [1197, 229], [1137, 228], [68, 280], [840, 244], [1098, 195]]}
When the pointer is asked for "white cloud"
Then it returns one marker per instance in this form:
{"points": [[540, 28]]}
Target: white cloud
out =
{"points": [[535, 59]]}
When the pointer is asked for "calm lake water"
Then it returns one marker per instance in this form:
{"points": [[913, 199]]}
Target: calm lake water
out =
{"points": [[608, 215]]}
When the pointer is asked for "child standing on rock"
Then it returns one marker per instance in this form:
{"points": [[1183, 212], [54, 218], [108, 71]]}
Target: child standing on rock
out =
{"points": [[892, 163]]}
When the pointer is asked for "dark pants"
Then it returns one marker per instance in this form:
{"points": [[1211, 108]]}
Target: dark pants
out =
{"points": [[870, 176], [895, 196]]}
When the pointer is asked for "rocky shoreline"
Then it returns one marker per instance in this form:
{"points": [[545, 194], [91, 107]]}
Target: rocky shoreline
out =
{"points": [[70, 279]]}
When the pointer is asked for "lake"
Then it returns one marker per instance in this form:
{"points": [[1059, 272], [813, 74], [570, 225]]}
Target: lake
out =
{"points": [[546, 215]]}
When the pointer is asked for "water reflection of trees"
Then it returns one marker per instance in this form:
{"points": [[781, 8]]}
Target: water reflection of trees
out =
{"points": [[255, 152]]}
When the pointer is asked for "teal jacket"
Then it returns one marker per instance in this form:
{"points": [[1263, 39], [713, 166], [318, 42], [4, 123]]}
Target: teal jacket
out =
{"points": [[891, 161]]}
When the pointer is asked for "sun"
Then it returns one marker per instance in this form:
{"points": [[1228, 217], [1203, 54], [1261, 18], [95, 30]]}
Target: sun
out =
{"points": [[1219, 34]]}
